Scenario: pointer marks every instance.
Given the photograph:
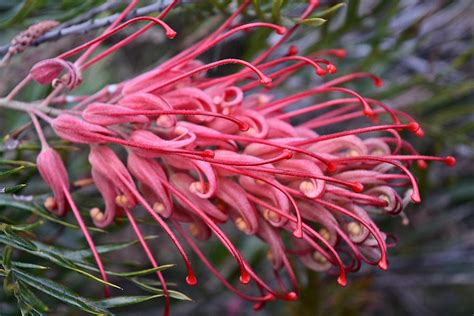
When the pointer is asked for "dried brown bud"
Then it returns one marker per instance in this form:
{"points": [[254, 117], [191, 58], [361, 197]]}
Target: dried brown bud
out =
{"points": [[26, 38]]}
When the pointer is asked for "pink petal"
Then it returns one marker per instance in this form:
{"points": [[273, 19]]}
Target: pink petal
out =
{"points": [[107, 114], [53, 172]]}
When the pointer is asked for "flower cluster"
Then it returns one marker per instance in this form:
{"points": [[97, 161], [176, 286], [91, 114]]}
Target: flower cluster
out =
{"points": [[202, 152]]}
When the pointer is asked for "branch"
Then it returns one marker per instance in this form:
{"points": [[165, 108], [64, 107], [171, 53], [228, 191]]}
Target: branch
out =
{"points": [[27, 107]]}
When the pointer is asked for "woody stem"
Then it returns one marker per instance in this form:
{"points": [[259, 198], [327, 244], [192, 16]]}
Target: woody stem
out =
{"points": [[27, 107]]}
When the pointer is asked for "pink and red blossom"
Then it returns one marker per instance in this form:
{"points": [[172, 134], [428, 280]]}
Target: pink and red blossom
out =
{"points": [[202, 152]]}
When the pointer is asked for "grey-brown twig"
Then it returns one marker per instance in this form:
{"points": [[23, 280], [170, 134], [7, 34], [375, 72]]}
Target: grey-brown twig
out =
{"points": [[27, 107]]}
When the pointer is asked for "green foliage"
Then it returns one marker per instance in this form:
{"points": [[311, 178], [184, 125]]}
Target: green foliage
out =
{"points": [[24, 279]]}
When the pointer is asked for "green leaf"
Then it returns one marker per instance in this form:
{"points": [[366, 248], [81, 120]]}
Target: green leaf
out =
{"points": [[12, 189], [142, 272], [9, 201], [179, 296], [7, 255], [59, 292], [15, 241], [258, 9], [276, 9], [8, 282], [173, 294], [21, 12], [78, 255], [47, 252], [25, 265], [126, 300], [71, 259], [11, 171], [330, 10], [31, 299], [315, 22], [27, 227], [28, 265], [17, 163]]}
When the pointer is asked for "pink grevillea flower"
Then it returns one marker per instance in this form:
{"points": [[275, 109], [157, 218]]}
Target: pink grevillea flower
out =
{"points": [[202, 152], [53, 171], [48, 71]]}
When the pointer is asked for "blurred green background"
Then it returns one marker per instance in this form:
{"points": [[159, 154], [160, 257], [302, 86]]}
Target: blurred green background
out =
{"points": [[422, 49]]}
